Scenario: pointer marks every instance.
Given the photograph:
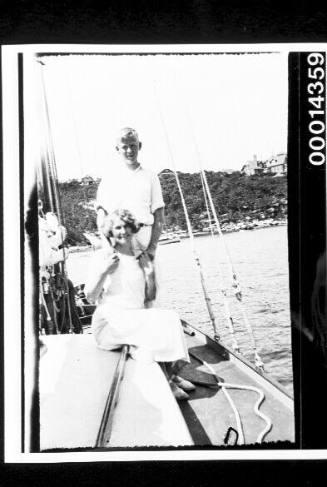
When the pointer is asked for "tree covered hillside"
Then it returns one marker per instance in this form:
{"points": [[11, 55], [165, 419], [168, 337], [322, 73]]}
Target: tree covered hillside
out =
{"points": [[78, 211], [235, 196]]}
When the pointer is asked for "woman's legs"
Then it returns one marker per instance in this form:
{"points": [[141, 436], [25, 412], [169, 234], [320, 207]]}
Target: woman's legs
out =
{"points": [[177, 384], [171, 369], [167, 368]]}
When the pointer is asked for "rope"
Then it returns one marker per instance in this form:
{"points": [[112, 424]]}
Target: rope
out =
{"points": [[239, 425], [226, 385]]}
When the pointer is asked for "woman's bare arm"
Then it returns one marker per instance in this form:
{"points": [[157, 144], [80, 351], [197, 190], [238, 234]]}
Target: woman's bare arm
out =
{"points": [[104, 265]]}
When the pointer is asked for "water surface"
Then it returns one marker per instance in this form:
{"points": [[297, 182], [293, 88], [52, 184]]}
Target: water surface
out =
{"points": [[260, 258]]}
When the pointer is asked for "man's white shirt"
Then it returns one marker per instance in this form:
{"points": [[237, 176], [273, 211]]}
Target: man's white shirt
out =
{"points": [[138, 191]]}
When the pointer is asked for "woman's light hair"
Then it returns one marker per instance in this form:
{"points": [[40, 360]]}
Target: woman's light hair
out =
{"points": [[125, 216]]}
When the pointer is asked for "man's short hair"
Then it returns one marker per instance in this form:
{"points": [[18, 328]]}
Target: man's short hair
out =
{"points": [[127, 133]]}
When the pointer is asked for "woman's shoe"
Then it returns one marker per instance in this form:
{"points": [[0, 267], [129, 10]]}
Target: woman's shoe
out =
{"points": [[178, 393], [184, 384]]}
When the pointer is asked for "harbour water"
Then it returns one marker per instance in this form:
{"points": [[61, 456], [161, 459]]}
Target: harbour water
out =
{"points": [[260, 259]]}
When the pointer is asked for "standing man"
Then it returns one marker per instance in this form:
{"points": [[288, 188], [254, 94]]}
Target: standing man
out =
{"points": [[129, 186]]}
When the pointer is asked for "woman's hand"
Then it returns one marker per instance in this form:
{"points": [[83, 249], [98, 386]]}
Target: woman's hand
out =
{"points": [[104, 263], [110, 263]]}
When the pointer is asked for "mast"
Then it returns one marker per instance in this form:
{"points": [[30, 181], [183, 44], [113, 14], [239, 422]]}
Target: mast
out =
{"points": [[51, 203]]}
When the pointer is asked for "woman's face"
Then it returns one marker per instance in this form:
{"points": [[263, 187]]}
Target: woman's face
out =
{"points": [[121, 232]]}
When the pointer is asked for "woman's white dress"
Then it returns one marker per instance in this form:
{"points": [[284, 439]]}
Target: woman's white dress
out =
{"points": [[120, 317]]}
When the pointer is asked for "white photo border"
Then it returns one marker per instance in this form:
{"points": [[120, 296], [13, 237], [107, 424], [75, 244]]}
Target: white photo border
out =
{"points": [[12, 265]]}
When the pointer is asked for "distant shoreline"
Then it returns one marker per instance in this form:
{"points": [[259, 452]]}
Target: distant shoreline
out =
{"points": [[229, 228]]}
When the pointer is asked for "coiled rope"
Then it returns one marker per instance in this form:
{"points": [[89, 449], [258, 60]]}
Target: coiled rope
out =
{"points": [[224, 386]]}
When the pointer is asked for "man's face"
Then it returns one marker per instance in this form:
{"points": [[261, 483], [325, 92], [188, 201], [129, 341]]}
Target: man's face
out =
{"points": [[128, 148]]}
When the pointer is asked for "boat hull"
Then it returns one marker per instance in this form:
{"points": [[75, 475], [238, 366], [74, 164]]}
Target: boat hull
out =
{"points": [[169, 241]]}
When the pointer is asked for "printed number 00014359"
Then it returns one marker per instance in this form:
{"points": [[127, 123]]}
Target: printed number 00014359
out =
{"points": [[317, 128]]}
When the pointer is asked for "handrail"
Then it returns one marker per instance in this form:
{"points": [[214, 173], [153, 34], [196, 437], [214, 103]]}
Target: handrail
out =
{"points": [[105, 429]]}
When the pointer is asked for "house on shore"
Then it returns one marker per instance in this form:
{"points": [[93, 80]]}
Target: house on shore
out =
{"points": [[87, 180], [252, 167], [276, 164]]}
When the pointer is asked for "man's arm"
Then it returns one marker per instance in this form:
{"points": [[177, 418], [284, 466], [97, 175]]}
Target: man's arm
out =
{"points": [[101, 213], [156, 231]]}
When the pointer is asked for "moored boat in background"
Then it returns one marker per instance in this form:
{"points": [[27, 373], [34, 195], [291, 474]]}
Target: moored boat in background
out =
{"points": [[168, 237]]}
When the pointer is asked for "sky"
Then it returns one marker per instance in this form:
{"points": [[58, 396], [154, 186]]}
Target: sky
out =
{"points": [[211, 110]]}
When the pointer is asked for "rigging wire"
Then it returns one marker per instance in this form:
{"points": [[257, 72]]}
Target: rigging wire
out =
{"points": [[189, 226], [207, 207], [51, 158], [235, 283], [196, 258], [73, 118]]}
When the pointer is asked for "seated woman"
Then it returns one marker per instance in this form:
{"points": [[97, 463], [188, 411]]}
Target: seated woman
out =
{"points": [[117, 284]]}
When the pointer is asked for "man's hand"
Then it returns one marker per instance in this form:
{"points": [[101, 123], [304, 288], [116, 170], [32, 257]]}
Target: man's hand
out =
{"points": [[100, 218], [149, 275], [156, 232], [151, 252], [146, 263]]}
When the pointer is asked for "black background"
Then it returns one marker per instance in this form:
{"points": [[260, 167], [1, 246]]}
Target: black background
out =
{"points": [[307, 247], [196, 22], [151, 21]]}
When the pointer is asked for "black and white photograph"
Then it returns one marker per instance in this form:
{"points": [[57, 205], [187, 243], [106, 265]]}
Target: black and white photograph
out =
{"points": [[155, 312]]}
